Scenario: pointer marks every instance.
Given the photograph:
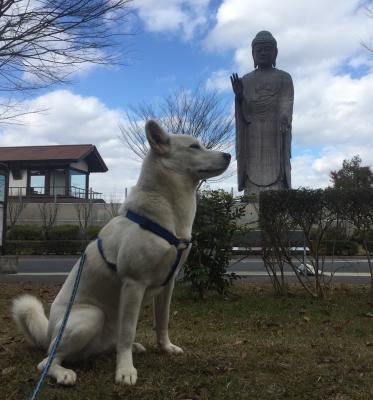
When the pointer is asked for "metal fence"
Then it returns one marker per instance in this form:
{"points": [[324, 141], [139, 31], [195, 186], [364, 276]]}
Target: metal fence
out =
{"points": [[54, 191]]}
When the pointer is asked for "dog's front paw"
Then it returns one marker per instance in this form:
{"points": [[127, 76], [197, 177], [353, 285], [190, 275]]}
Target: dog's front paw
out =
{"points": [[62, 375], [126, 376], [171, 348], [42, 364], [66, 377]]}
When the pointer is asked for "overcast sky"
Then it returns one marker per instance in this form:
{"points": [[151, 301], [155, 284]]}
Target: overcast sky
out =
{"points": [[186, 43]]}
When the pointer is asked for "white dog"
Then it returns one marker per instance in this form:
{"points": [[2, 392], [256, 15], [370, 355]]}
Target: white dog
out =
{"points": [[136, 257]]}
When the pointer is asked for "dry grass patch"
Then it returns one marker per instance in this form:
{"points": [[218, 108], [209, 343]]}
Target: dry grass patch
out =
{"points": [[250, 346]]}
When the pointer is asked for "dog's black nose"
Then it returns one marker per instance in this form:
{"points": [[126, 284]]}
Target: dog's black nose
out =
{"points": [[227, 156]]}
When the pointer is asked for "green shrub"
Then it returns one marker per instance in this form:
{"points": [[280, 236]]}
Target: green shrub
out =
{"points": [[339, 248], [213, 229], [25, 232], [64, 232], [43, 247], [61, 247], [331, 233], [336, 233], [323, 216], [24, 247], [91, 232], [358, 236], [369, 247]]}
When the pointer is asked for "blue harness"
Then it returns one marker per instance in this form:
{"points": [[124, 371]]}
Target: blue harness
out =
{"points": [[158, 230]]}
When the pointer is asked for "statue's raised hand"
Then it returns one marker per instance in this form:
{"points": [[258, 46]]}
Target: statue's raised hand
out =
{"points": [[236, 84]]}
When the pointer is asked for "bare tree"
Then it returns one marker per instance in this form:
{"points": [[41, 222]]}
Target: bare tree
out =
{"points": [[44, 41], [15, 207], [112, 209], [199, 113], [48, 214], [369, 11], [84, 214]]}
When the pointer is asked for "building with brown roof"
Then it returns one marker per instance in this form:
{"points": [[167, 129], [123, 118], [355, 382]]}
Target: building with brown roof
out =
{"points": [[59, 172]]}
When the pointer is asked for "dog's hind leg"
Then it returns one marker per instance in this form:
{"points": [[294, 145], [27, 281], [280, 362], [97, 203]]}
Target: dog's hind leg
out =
{"points": [[80, 338]]}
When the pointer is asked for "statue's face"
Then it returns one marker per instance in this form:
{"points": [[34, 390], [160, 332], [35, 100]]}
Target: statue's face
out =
{"points": [[264, 54]]}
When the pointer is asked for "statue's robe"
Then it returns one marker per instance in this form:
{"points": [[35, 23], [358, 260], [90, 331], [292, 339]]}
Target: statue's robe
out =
{"points": [[263, 151]]}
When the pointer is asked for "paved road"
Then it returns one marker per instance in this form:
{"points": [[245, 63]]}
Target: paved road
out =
{"points": [[46, 264], [55, 270]]}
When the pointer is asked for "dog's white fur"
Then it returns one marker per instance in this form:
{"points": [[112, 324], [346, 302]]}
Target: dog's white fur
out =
{"points": [[107, 304]]}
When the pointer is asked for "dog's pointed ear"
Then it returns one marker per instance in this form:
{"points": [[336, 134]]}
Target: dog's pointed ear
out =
{"points": [[158, 139]]}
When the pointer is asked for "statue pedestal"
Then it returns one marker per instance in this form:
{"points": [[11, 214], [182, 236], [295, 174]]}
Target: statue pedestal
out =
{"points": [[251, 216]]}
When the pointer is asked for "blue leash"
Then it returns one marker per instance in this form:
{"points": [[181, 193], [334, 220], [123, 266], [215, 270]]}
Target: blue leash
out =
{"points": [[57, 341]]}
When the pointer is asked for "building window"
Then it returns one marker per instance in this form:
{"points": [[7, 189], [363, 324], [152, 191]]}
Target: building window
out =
{"points": [[77, 183], [57, 182], [37, 182]]}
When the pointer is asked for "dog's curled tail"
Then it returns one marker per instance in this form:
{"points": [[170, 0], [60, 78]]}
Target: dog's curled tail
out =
{"points": [[28, 313]]}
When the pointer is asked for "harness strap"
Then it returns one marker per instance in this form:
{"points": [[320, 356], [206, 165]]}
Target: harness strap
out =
{"points": [[174, 266], [158, 230], [152, 226], [111, 265]]}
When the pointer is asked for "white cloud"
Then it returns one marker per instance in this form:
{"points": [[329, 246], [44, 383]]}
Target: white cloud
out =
{"points": [[219, 80], [185, 16], [320, 45], [72, 119], [69, 118], [313, 171], [333, 110], [315, 30]]}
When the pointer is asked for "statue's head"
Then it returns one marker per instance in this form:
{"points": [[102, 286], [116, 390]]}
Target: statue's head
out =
{"points": [[264, 49]]}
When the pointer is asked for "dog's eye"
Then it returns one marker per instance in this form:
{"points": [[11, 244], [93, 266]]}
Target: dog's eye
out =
{"points": [[195, 146]]}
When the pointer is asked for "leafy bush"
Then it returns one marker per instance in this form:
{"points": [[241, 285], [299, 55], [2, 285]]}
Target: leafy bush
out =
{"points": [[42, 247], [64, 246], [337, 232], [213, 229], [358, 236], [25, 232], [91, 232], [24, 247], [64, 232], [339, 248], [325, 217]]}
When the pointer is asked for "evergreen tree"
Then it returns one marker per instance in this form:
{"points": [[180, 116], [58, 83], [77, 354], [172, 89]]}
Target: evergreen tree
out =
{"points": [[352, 175]]}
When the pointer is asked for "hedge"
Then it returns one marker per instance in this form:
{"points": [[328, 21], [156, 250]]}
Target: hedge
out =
{"points": [[43, 247], [25, 232], [327, 218], [60, 239], [64, 232], [339, 248], [91, 232]]}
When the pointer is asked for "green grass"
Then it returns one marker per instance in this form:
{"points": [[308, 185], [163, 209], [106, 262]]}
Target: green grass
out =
{"points": [[250, 346]]}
